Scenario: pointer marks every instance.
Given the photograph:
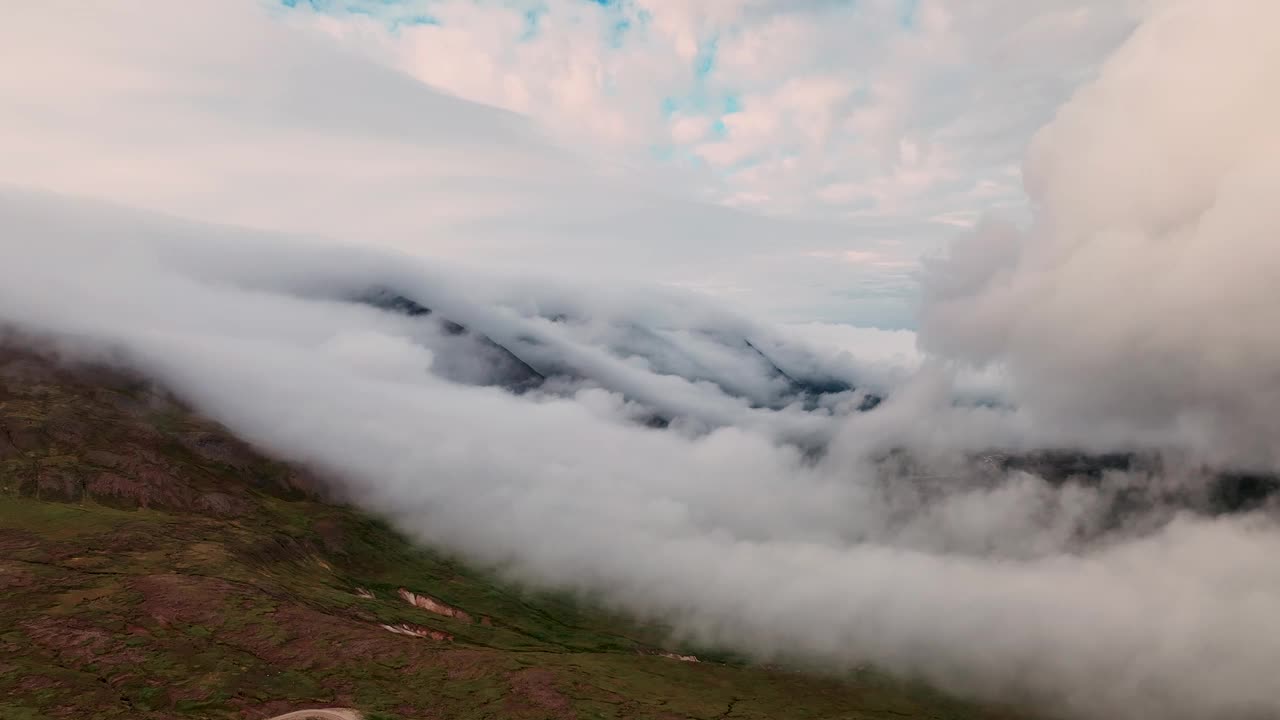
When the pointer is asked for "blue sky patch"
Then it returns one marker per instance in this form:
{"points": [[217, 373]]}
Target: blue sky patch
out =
{"points": [[907, 13], [705, 63]]}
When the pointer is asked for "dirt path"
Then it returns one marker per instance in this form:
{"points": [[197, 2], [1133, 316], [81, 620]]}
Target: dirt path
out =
{"points": [[320, 714]]}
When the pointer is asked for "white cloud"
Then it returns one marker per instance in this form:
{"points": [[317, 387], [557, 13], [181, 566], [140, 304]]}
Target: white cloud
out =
{"points": [[689, 129], [810, 94], [818, 110], [996, 584], [1141, 291], [224, 112]]}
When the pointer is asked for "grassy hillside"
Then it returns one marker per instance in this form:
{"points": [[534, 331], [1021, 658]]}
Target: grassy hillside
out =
{"points": [[152, 566]]}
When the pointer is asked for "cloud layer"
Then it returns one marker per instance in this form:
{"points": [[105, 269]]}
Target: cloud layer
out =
{"points": [[904, 542], [984, 581], [1140, 296], [887, 109], [876, 127]]}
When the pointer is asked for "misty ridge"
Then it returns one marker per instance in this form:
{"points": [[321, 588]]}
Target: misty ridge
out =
{"points": [[1060, 489]]}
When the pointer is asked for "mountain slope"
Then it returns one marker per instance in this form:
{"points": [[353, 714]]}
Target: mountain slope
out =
{"points": [[152, 566]]}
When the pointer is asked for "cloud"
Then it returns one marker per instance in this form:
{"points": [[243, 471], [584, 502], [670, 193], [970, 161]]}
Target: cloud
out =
{"points": [[809, 94], [857, 141], [906, 538], [1137, 293], [227, 112], [995, 583]]}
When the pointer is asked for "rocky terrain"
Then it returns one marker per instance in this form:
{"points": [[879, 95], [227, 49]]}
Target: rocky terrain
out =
{"points": [[153, 566]]}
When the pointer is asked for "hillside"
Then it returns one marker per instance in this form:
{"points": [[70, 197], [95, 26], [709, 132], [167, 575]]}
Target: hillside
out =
{"points": [[152, 566]]}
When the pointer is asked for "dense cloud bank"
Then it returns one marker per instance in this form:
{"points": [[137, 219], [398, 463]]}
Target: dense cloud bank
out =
{"points": [[1142, 298], [1104, 595], [731, 477]]}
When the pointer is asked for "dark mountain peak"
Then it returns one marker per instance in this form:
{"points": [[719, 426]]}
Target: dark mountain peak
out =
{"points": [[392, 301], [467, 356]]}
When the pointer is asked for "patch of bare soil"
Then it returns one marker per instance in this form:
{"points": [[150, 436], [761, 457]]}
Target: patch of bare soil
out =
{"points": [[418, 631], [430, 604]]}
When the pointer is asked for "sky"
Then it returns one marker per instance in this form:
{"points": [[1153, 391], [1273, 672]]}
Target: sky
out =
{"points": [[1071, 205], [880, 110], [869, 133]]}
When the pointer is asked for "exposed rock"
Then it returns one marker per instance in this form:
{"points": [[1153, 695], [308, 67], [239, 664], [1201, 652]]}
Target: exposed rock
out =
{"points": [[1059, 465], [1237, 492], [386, 299], [418, 631], [670, 655], [466, 349], [221, 449], [433, 605]]}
